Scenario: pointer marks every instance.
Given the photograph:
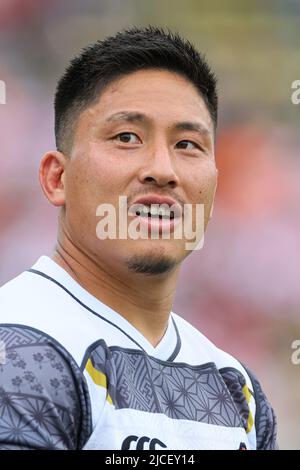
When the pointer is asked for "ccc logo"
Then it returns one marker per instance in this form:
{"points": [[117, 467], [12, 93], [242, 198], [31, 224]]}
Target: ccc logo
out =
{"points": [[141, 442]]}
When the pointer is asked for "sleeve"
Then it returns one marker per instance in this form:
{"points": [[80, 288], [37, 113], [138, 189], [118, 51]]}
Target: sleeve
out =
{"points": [[44, 400], [265, 419]]}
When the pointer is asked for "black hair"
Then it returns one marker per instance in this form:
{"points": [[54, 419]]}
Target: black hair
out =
{"points": [[128, 51]]}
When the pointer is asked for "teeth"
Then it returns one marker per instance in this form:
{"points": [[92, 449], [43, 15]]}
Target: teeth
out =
{"points": [[155, 211], [163, 212]]}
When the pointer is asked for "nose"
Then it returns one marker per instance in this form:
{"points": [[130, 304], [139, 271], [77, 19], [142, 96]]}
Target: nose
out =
{"points": [[158, 167]]}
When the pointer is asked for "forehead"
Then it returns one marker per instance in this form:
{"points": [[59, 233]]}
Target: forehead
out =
{"points": [[161, 95]]}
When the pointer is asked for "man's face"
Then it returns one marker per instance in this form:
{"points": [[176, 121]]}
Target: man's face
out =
{"points": [[134, 142]]}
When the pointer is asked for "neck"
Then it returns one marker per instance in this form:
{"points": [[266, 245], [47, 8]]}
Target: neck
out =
{"points": [[144, 301]]}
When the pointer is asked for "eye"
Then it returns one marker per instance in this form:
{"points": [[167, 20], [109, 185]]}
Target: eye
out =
{"points": [[188, 145], [128, 138]]}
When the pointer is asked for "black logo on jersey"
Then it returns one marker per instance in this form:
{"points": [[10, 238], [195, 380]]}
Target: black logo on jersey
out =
{"points": [[141, 443], [243, 446]]}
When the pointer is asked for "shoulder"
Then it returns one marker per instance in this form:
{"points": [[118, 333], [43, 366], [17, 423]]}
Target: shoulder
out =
{"points": [[44, 397], [41, 303], [255, 410], [46, 333], [196, 346]]}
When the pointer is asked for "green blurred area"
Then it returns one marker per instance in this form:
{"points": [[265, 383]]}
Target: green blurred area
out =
{"points": [[252, 45]]}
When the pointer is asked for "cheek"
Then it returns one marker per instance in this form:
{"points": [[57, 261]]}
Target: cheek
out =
{"points": [[77, 183], [106, 172], [80, 191], [203, 184], [91, 181], [211, 186]]}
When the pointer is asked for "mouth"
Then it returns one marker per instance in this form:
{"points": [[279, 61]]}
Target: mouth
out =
{"points": [[156, 215]]}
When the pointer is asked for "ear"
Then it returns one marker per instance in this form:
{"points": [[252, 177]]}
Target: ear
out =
{"points": [[52, 175]]}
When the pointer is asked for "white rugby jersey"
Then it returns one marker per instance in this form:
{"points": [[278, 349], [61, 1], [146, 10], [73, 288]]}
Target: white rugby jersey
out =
{"points": [[78, 375]]}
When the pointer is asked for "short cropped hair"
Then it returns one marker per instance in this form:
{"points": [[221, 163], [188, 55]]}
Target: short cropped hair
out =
{"points": [[128, 51]]}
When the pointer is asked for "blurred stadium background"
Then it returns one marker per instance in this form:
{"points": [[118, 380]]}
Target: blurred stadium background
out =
{"points": [[242, 290]]}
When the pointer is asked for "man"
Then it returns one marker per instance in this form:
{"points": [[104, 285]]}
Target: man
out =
{"points": [[95, 358]]}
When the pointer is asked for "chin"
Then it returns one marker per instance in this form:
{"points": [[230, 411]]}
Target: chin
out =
{"points": [[152, 262]]}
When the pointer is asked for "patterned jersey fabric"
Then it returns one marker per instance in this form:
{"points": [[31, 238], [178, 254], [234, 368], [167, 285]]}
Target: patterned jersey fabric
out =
{"points": [[77, 375]]}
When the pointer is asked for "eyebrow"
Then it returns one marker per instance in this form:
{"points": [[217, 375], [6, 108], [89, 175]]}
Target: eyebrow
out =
{"points": [[134, 116], [129, 116]]}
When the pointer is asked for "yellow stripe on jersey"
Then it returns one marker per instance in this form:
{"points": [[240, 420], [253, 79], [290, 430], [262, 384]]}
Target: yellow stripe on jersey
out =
{"points": [[250, 421], [98, 378]]}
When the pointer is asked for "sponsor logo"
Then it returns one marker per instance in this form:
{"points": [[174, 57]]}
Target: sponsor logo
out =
{"points": [[142, 443]]}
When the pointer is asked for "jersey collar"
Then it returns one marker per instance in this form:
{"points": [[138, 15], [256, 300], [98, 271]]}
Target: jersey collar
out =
{"points": [[166, 350]]}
